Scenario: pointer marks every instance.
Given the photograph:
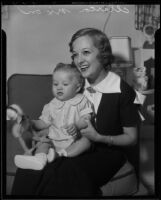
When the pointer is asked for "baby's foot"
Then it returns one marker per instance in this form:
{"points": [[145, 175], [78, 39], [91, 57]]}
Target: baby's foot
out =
{"points": [[51, 155], [36, 162]]}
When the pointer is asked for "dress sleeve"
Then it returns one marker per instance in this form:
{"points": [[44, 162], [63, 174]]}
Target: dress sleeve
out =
{"points": [[129, 111], [46, 115], [85, 107]]}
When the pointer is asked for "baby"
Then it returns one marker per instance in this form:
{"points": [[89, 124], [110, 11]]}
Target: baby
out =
{"points": [[64, 116]]}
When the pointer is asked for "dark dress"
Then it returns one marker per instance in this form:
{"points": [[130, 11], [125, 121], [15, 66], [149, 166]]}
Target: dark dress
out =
{"points": [[82, 176]]}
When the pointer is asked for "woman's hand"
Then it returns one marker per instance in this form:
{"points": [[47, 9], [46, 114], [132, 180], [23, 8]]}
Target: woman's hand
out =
{"points": [[150, 109], [90, 132], [71, 130]]}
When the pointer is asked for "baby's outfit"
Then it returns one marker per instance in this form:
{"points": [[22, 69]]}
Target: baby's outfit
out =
{"points": [[58, 114]]}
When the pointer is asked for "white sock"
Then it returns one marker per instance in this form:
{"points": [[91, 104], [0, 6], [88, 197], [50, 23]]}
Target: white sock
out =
{"points": [[51, 155]]}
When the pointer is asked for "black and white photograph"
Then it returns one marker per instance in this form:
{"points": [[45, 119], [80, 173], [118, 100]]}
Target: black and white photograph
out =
{"points": [[99, 61]]}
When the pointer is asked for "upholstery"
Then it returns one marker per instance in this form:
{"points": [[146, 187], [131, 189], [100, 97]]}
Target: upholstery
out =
{"points": [[147, 147], [31, 92]]}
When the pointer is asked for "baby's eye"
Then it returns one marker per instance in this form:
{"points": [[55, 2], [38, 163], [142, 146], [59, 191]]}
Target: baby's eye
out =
{"points": [[66, 84], [55, 84]]}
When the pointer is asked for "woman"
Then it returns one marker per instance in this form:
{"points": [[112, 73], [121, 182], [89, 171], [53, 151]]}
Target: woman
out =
{"points": [[115, 127]]}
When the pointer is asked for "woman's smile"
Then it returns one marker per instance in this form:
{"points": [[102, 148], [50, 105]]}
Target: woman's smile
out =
{"points": [[85, 56], [83, 68]]}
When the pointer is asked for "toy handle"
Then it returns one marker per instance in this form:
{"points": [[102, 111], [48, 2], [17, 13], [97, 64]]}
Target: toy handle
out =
{"points": [[16, 131], [25, 148]]}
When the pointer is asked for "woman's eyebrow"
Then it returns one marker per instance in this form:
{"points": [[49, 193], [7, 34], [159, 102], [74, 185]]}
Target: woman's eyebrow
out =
{"points": [[86, 48]]}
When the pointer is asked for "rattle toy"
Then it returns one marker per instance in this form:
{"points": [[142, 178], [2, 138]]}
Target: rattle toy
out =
{"points": [[22, 122]]}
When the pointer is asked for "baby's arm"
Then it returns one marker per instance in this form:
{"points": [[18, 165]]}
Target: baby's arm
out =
{"points": [[74, 129], [44, 120], [82, 144], [39, 125], [78, 147], [42, 130]]}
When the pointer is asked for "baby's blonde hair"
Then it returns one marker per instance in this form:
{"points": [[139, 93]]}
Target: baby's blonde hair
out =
{"points": [[73, 69]]}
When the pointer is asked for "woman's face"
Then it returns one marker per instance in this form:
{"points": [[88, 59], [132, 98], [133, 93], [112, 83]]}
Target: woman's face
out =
{"points": [[85, 57]]}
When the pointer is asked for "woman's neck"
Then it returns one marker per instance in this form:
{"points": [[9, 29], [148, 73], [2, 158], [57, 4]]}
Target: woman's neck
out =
{"points": [[99, 78]]}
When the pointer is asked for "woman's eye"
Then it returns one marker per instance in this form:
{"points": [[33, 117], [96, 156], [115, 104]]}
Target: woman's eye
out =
{"points": [[86, 52], [74, 55]]}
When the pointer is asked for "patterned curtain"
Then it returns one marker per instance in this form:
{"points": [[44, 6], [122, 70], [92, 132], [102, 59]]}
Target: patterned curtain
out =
{"points": [[147, 14]]}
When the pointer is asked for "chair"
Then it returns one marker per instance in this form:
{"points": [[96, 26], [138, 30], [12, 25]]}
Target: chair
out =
{"points": [[31, 92]]}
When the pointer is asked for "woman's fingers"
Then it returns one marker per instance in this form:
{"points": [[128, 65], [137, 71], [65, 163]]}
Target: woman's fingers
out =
{"points": [[71, 129]]}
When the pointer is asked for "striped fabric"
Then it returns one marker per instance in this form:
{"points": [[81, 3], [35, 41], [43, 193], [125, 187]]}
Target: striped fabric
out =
{"points": [[147, 14]]}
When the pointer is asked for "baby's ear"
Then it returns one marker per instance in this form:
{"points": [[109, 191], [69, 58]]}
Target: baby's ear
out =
{"points": [[79, 86]]}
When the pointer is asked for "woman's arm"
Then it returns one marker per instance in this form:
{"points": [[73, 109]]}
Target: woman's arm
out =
{"points": [[78, 147], [129, 136]]}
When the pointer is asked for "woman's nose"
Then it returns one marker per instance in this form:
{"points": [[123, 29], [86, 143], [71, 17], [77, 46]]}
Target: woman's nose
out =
{"points": [[80, 59]]}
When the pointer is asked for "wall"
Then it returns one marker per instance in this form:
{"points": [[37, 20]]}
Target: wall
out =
{"points": [[38, 36]]}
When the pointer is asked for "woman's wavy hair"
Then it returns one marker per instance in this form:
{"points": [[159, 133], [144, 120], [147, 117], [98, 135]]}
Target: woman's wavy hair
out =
{"points": [[100, 41]]}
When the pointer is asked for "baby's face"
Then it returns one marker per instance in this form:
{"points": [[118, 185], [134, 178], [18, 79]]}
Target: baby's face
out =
{"points": [[65, 86]]}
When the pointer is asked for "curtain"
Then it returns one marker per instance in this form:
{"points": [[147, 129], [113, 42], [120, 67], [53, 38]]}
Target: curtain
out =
{"points": [[147, 14]]}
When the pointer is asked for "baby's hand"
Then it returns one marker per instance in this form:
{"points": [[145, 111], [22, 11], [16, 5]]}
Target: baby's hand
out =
{"points": [[44, 139], [71, 129]]}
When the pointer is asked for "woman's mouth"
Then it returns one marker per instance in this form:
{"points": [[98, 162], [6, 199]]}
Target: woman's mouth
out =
{"points": [[84, 68]]}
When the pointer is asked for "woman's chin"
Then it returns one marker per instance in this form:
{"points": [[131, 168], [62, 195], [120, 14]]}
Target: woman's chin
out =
{"points": [[85, 74]]}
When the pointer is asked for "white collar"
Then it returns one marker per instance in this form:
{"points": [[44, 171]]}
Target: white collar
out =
{"points": [[110, 84], [74, 101]]}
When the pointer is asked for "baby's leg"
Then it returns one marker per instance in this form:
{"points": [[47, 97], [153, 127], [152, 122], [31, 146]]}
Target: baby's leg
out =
{"points": [[48, 150], [35, 162]]}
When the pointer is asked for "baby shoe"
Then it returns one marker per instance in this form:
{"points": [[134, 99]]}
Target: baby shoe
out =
{"points": [[36, 162]]}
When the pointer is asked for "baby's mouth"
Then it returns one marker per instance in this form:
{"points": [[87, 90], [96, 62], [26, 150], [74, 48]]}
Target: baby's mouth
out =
{"points": [[59, 93]]}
